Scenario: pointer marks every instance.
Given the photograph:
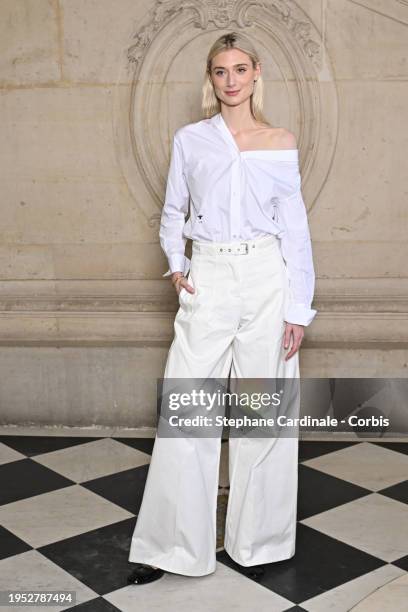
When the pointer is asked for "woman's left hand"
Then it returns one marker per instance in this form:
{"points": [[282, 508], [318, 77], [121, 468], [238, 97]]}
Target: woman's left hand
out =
{"points": [[296, 333]]}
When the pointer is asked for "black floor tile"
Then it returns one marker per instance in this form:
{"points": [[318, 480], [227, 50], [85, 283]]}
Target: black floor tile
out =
{"points": [[143, 444], [98, 558], [402, 563], [37, 445], [398, 492], [95, 605], [25, 478], [318, 492], [399, 447], [124, 488], [321, 563], [11, 544], [310, 450]]}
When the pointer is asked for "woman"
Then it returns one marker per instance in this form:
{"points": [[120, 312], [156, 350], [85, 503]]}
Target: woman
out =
{"points": [[246, 300]]}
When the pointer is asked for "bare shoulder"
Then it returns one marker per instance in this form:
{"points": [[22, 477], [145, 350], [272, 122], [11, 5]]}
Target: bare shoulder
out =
{"points": [[281, 138]]}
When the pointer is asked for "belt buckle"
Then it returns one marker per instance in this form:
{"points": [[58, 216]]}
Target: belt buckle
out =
{"points": [[246, 247]]}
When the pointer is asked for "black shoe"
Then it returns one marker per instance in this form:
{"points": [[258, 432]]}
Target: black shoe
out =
{"points": [[253, 571], [144, 573]]}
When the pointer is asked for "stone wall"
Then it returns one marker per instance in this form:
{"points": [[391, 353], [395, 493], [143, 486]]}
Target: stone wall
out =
{"points": [[91, 92]]}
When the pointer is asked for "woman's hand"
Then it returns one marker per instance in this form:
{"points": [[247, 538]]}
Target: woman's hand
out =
{"points": [[296, 333], [179, 281]]}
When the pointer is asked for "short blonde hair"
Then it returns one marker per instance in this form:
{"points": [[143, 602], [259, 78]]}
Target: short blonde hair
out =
{"points": [[210, 104]]}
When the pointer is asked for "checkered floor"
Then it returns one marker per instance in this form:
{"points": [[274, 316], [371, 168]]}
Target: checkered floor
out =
{"points": [[68, 508]]}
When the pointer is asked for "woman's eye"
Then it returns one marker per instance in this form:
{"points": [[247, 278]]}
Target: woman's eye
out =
{"points": [[220, 72]]}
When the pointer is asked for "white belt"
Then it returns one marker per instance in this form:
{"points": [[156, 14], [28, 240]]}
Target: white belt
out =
{"points": [[241, 249], [244, 247]]}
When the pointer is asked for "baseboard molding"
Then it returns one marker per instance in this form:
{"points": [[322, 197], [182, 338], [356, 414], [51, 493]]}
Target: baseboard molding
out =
{"points": [[150, 432]]}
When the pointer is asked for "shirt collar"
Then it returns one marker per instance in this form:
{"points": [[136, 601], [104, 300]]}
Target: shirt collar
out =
{"points": [[220, 124]]}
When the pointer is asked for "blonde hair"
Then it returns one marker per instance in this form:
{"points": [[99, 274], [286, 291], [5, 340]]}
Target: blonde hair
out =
{"points": [[210, 104]]}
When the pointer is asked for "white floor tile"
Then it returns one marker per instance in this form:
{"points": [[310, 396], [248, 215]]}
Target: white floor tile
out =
{"points": [[367, 465], [8, 454], [374, 524], [93, 459], [57, 515], [31, 571], [393, 597], [224, 590], [348, 595]]}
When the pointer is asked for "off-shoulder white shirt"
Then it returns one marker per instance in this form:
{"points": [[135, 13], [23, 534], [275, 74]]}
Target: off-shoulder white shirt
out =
{"points": [[234, 195]]}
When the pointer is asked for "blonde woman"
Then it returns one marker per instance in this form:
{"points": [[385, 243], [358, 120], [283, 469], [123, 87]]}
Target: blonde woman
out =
{"points": [[245, 298]]}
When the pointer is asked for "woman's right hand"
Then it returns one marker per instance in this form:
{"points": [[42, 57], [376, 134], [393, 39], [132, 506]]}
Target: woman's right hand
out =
{"points": [[179, 281]]}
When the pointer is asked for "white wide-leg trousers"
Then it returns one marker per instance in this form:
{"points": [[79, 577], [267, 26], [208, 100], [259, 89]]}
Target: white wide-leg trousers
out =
{"points": [[233, 322]]}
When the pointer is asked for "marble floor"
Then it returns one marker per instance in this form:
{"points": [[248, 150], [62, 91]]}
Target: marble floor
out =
{"points": [[68, 507]]}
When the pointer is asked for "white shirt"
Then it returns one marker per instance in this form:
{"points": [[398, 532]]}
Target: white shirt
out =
{"points": [[237, 195]]}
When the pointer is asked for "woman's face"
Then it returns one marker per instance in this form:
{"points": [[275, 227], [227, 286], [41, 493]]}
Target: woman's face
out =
{"points": [[233, 76]]}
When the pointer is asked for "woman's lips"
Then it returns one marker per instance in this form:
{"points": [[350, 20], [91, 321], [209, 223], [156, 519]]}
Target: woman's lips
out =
{"points": [[232, 93]]}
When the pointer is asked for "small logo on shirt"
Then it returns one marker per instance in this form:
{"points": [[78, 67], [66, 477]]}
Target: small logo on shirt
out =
{"points": [[200, 217]]}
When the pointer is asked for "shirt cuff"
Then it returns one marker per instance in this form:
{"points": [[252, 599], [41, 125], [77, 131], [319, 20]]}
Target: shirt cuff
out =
{"points": [[299, 314], [178, 263]]}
